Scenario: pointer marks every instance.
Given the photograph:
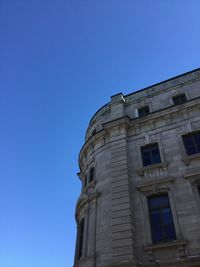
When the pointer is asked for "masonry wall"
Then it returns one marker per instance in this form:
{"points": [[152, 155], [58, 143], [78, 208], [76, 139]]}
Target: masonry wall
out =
{"points": [[114, 205]]}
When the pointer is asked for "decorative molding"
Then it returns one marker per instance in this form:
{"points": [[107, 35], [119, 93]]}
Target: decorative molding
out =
{"points": [[175, 243], [187, 159], [162, 165], [155, 186], [85, 200], [179, 245], [125, 120], [193, 176]]}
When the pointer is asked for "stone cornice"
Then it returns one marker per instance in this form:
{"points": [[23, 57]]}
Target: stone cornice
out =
{"points": [[155, 185], [126, 121], [117, 122], [166, 112], [84, 201], [123, 121], [157, 88], [89, 142]]}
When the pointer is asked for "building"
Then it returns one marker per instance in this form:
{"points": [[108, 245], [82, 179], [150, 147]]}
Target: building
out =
{"points": [[140, 173]]}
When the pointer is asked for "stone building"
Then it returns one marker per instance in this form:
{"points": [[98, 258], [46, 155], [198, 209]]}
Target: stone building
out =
{"points": [[140, 173]]}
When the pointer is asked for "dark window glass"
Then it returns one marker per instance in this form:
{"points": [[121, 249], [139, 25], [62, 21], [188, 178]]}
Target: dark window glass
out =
{"points": [[94, 132], [80, 238], [179, 99], [162, 227], [85, 181], [192, 143], [143, 111], [198, 189], [91, 174], [150, 154]]}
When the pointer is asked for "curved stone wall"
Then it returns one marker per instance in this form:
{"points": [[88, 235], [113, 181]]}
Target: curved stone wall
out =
{"points": [[112, 212]]}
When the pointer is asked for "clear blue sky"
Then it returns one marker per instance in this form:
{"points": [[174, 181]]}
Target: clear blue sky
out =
{"points": [[60, 61]]}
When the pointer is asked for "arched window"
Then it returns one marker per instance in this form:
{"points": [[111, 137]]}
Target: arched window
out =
{"points": [[91, 177], [162, 226]]}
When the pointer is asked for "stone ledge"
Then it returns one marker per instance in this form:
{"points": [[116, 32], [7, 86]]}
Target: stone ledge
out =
{"points": [[124, 263], [154, 182], [84, 200], [187, 159], [162, 165], [192, 174], [165, 245]]}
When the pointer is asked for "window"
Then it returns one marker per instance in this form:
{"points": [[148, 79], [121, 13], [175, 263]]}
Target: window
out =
{"points": [[91, 177], [94, 132], [80, 238], [143, 111], [179, 99], [85, 181], [150, 154], [192, 143], [198, 188], [162, 227]]}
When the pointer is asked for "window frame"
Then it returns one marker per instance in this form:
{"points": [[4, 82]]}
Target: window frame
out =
{"points": [[193, 141], [142, 111], [81, 230], [150, 151], [155, 187], [161, 222], [91, 175], [179, 99]]}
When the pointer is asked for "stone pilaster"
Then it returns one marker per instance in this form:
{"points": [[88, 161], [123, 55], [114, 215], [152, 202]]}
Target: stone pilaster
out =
{"points": [[117, 106], [122, 221]]}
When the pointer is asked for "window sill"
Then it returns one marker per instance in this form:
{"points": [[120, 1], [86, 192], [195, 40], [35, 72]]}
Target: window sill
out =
{"points": [[162, 165], [187, 159], [164, 245]]}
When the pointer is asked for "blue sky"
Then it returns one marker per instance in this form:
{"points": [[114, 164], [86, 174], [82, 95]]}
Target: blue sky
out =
{"points": [[60, 61]]}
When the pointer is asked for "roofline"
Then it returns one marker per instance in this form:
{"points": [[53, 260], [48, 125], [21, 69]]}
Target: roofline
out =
{"points": [[170, 79], [146, 88], [98, 111]]}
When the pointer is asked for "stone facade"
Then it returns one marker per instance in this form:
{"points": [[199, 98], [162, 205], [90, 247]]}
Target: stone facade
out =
{"points": [[114, 204]]}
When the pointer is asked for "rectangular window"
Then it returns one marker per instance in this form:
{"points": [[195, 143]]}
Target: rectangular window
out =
{"points": [[80, 238], [192, 143], [179, 99], [150, 154], [162, 227], [143, 111]]}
